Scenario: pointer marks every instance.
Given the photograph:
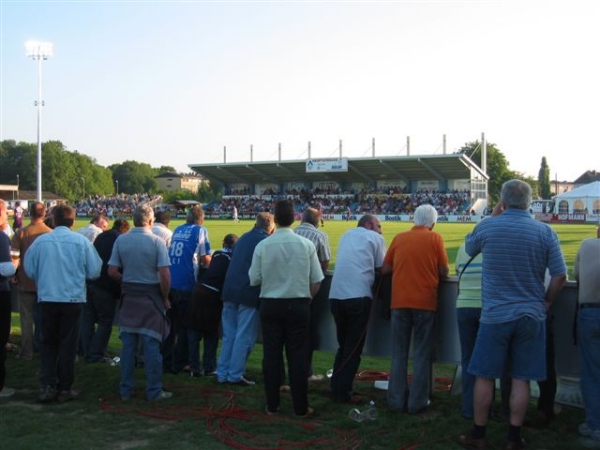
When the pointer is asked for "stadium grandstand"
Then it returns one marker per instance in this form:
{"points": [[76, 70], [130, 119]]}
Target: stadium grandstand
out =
{"points": [[344, 188]]}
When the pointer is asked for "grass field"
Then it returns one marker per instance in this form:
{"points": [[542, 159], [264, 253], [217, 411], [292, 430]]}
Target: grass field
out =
{"points": [[204, 416], [454, 234]]}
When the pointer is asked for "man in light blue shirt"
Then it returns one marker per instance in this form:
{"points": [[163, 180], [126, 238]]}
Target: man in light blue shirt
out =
{"points": [[59, 263], [289, 274]]}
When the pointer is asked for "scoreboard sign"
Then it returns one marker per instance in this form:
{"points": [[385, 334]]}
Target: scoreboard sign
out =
{"points": [[327, 165]]}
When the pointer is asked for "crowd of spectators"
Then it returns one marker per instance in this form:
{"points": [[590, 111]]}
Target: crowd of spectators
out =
{"points": [[388, 201], [113, 205]]}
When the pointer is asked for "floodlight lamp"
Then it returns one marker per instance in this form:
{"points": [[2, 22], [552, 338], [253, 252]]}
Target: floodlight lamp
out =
{"points": [[39, 50]]}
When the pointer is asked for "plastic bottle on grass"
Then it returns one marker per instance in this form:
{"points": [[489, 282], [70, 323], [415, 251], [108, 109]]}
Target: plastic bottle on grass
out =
{"points": [[369, 413]]}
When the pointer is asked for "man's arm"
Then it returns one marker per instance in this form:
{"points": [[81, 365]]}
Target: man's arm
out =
{"points": [[114, 273], [443, 271], [314, 288], [164, 275], [386, 269], [556, 284]]}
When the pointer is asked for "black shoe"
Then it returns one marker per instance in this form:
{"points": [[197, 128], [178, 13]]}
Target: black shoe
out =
{"points": [[195, 374], [47, 394]]}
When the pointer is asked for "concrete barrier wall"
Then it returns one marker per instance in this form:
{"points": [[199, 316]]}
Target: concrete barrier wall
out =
{"points": [[447, 347]]}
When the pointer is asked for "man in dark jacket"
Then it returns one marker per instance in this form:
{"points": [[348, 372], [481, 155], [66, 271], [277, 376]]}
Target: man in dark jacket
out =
{"points": [[204, 311], [239, 319], [102, 299]]}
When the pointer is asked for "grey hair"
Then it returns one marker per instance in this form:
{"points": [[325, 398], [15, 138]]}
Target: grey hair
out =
{"points": [[142, 215], [311, 215], [516, 194], [425, 215]]}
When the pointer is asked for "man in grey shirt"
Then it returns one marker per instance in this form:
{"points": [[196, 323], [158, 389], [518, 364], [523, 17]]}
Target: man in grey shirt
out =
{"points": [[145, 278]]}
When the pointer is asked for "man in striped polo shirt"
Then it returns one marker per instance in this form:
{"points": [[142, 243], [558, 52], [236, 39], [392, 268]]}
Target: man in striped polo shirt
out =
{"points": [[516, 250], [308, 228]]}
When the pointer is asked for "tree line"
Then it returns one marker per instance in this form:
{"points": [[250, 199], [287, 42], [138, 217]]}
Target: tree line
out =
{"points": [[73, 175]]}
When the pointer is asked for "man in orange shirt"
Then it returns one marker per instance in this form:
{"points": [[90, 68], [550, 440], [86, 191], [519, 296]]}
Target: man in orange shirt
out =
{"points": [[417, 260]]}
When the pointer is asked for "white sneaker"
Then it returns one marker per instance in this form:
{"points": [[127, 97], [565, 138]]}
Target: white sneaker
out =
{"points": [[7, 392], [163, 395]]}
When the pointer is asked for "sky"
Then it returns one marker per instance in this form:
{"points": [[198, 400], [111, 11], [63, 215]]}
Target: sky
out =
{"points": [[176, 83]]}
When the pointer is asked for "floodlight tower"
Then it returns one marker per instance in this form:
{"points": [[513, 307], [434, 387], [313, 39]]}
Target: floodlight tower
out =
{"points": [[39, 51]]}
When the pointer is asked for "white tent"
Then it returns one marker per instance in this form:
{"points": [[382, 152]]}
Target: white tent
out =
{"points": [[584, 199]]}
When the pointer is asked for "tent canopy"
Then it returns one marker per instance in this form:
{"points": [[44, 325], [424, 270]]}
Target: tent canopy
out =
{"points": [[585, 198]]}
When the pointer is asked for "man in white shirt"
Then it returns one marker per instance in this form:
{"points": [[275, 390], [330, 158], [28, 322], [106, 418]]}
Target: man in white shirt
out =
{"points": [[360, 254]]}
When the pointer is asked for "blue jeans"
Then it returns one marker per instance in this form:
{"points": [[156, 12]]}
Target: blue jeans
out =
{"points": [[468, 327], [351, 319], [404, 320], [588, 339], [240, 330], [152, 364], [100, 308], [209, 356]]}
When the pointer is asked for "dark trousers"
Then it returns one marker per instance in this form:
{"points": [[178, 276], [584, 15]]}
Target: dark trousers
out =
{"points": [[175, 349], [351, 319], [285, 323], [60, 333], [5, 316], [100, 308]]}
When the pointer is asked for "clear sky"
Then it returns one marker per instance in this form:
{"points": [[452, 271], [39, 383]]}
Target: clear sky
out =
{"points": [[172, 83]]}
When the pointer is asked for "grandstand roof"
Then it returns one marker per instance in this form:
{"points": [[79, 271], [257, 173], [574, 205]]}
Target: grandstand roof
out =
{"points": [[407, 168]]}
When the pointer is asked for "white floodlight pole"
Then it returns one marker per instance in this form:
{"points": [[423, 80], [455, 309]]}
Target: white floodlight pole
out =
{"points": [[39, 51]]}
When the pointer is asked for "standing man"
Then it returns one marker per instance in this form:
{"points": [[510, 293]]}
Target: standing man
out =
{"points": [[103, 295], [161, 226], [516, 252], [140, 262], [360, 253], [8, 268], [239, 319], [235, 214], [189, 252], [308, 228], [28, 306], [59, 263], [587, 274], [288, 272], [417, 260], [97, 225], [18, 219], [204, 311]]}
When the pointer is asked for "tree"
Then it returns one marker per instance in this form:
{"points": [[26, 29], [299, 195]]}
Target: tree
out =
{"points": [[497, 169], [134, 177], [544, 180]]}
